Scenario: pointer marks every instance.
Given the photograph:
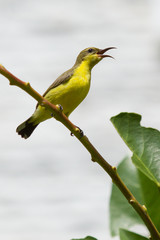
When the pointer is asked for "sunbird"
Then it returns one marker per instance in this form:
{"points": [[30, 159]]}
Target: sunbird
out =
{"points": [[68, 90]]}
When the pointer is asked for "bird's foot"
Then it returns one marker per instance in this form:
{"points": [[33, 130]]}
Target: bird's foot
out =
{"points": [[77, 129], [59, 107]]}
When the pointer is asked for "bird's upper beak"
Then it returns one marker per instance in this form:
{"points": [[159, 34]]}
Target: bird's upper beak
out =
{"points": [[101, 51]]}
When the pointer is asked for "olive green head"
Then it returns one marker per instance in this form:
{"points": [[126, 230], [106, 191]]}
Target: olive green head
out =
{"points": [[92, 56]]}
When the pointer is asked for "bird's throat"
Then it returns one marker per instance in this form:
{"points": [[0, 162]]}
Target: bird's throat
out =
{"points": [[83, 71]]}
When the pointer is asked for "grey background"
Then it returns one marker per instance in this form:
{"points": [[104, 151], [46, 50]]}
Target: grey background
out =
{"points": [[49, 188]]}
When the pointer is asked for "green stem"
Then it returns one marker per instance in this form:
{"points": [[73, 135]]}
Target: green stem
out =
{"points": [[95, 155]]}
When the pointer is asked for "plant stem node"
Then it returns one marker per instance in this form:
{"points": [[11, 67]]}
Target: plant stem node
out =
{"points": [[27, 84], [144, 207], [114, 168], [131, 201], [77, 129]]}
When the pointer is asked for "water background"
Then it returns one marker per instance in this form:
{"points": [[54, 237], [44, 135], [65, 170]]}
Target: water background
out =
{"points": [[49, 188]]}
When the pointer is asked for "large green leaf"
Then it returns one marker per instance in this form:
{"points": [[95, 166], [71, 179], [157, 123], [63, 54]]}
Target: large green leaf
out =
{"points": [[143, 142], [122, 215], [86, 238], [151, 197], [127, 235]]}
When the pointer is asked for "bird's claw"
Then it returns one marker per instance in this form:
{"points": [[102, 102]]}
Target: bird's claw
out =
{"points": [[59, 107], [77, 129], [81, 132]]}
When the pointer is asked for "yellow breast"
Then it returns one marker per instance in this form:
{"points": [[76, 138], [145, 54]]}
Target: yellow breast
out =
{"points": [[76, 89], [69, 95]]}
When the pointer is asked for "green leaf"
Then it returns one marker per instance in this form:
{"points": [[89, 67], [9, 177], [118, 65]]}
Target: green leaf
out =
{"points": [[151, 196], [86, 238], [143, 142], [122, 215], [127, 235]]}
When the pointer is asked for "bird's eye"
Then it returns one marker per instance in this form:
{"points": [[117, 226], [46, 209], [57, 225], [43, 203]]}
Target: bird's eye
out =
{"points": [[90, 50]]}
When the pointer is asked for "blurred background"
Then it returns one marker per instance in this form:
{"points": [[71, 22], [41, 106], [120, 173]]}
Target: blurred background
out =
{"points": [[49, 187]]}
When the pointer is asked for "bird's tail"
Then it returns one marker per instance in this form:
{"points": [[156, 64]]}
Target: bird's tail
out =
{"points": [[26, 128]]}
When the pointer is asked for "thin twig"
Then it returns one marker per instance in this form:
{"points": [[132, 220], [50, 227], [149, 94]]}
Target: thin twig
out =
{"points": [[95, 155]]}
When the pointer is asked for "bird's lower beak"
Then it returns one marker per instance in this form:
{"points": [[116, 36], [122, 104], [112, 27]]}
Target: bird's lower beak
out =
{"points": [[101, 51]]}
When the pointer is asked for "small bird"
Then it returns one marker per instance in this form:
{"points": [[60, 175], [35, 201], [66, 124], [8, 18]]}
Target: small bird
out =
{"points": [[68, 90]]}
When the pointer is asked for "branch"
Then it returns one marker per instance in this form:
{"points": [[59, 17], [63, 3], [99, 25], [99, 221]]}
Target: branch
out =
{"points": [[95, 155]]}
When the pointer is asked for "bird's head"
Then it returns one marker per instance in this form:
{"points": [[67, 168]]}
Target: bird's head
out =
{"points": [[92, 56]]}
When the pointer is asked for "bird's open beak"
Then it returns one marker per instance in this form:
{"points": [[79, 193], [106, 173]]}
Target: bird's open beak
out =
{"points": [[101, 51]]}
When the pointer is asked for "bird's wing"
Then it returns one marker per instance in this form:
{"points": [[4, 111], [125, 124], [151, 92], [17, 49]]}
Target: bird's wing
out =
{"points": [[60, 80], [63, 78]]}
